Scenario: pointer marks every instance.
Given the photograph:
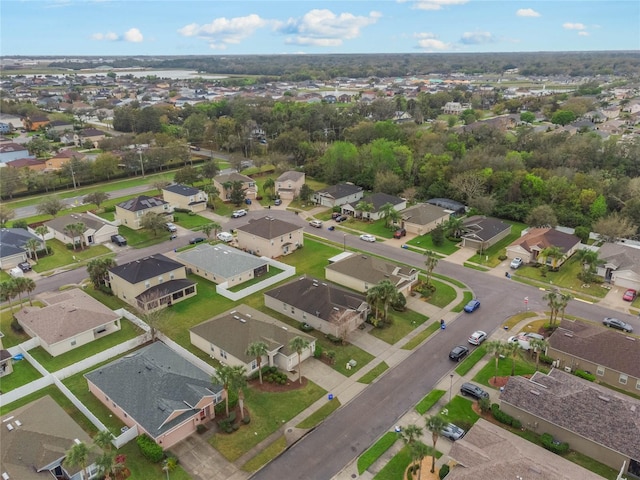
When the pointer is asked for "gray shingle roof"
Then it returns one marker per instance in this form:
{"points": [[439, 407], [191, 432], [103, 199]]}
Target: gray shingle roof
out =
{"points": [[622, 256], [484, 228], [165, 288], [145, 268], [13, 240], [233, 177], [153, 383], [143, 202], [423, 214], [585, 408], [339, 191], [379, 199], [183, 190], [221, 260], [268, 227], [372, 270], [290, 175], [89, 221]]}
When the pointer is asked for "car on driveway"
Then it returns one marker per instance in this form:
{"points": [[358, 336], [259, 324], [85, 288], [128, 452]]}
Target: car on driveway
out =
{"points": [[277, 202], [195, 240], [516, 263], [477, 337], [617, 324], [473, 391], [368, 238], [472, 306], [224, 237], [523, 338], [25, 266], [452, 432], [457, 353], [316, 223], [341, 218], [119, 240], [171, 227], [399, 233], [238, 213], [630, 295]]}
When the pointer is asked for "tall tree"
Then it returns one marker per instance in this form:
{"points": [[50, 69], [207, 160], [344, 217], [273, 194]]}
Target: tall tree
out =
{"points": [[75, 230], [512, 349], [238, 382], [237, 193], [418, 451], [258, 350], [495, 348], [364, 207], [187, 175], [153, 221], [298, 345], [555, 254], [160, 185], [538, 346], [10, 182], [32, 246], [431, 261], [614, 227], [410, 434], [6, 214], [43, 230], [542, 216], [224, 377], [8, 292], [553, 301], [270, 186], [50, 206], [382, 295], [98, 270], [389, 214], [435, 424], [98, 198]]}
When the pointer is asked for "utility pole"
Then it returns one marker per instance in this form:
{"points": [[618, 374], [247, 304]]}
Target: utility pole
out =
{"points": [[141, 162]]}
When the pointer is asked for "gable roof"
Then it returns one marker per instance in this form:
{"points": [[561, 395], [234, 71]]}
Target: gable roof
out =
{"points": [[13, 240], [373, 270], [423, 214], [623, 257], [152, 384], [448, 204], [484, 228], [91, 132], [142, 202], [67, 314], [379, 199], [221, 259], [579, 406], [599, 345], [233, 177], [340, 190], [12, 147], [235, 329], [25, 162], [145, 268], [183, 190], [268, 227], [541, 238], [290, 175], [90, 221], [321, 299]]}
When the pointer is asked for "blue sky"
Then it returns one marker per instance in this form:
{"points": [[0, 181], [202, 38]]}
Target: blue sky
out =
{"points": [[218, 27]]}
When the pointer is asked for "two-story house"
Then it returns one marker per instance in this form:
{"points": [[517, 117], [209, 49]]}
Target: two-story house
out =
{"points": [[130, 212], [270, 237], [288, 184], [185, 197], [223, 184], [337, 195]]}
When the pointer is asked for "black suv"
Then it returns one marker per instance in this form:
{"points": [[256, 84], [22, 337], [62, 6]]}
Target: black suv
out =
{"points": [[458, 353], [473, 391], [119, 240], [24, 266]]}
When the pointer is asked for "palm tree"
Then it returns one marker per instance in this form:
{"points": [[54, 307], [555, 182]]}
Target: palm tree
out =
{"points": [[7, 292], [298, 344], [106, 464], [212, 192], [495, 348], [75, 230], [430, 263], [78, 456], [364, 207], [43, 230], [32, 245], [538, 345], [224, 376], [563, 301], [215, 226], [27, 285], [387, 212], [553, 299], [18, 285], [435, 424], [238, 382], [258, 350], [589, 258], [555, 254], [270, 185], [418, 451], [454, 226], [98, 270], [384, 293], [410, 434], [512, 349]]}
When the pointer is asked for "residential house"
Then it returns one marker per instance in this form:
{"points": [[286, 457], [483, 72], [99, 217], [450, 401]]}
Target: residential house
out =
{"points": [[185, 197], [34, 122], [151, 283], [14, 121], [270, 237], [6, 359], [288, 184], [621, 265], [130, 212], [361, 272], [377, 200], [423, 217], [223, 264], [59, 159], [157, 391], [483, 232], [68, 320], [90, 135], [34, 164], [529, 246], [337, 195], [223, 182], [97, 230], [227, 336], [455, 108], [454, 207], [402, 117], [13, 151], [60, 126], [326, 307], [598, 422], [489, 451], [613, 357], [35, 440], [13, 248]]}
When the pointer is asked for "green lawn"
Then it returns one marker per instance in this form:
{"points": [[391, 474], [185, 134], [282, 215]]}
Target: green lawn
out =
{"points": [[53, 364], [468, 296], [22, 374], [429, 401], [425, 241], [192, 222], [442, 296], [422, 336], [273, 271], [395, 468], [376, 228], [312, 258], [111, 301], [401, 324], [62, 256], [499, 248], [376, 450], [268, 411], [266, 455], [319, 415], [11, 337], [374, 373], [460, 412], [471, 360], [523, 367], [142, 238]]}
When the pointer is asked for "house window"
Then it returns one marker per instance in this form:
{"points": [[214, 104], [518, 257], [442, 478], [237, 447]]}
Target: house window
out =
{"points": [[293, 310], [284, 306], [304, 316], [638, 385], [600, 371], [160, 279], [212, 347], [73, 342], [623, 379], [253, 365], [171, 275], [290, 236], [223, 354], [147, 284]]}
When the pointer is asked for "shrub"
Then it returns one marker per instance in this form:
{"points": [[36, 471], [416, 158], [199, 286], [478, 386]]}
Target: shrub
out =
{"points": [[150, 449], [15, 326], [332, 355], [334, 339], [546, 359], [485, 404], [582, 233], [20, 224], [399, 303], [69, 246], [201, 428], [587, 376], [553, 445], [502, 258], [444, 471], [317, 353], [246, 419], [504, 417], [112, 208], [305, 327], [225, 425]]}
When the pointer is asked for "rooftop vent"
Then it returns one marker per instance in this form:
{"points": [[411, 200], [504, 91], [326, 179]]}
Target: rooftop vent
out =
{"points": [[570, 335], [18, 423], [236, 317], [9, 427], [248, 315], [76, 441], [5, 476], [534, 392], [242, 320], [603, 398]]}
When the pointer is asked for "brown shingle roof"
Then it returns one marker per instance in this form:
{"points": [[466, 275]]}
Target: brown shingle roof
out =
{"points": [[268, 227], [372, 270], [541, 238]]}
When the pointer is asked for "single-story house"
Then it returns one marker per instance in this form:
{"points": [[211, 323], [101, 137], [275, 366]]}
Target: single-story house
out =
{"points": [[97, 230], [361, 272], [377, 200], [35, 164], [227, 336], [35, 440], [448, 204], [221, 263], [60, 126], [158, 391], [270, 237], [130, 212], [613, 357], [34, 122], [13, 248], [483, 232], [594, 420], [59, 159], [529, 246], [92, 135], [288, 184], [424, 217], [185, 197], [6, 359], [621, 265], [337, 195], [492, 452], [326, 307], [70, 319], [151, 282], [248, 183]]}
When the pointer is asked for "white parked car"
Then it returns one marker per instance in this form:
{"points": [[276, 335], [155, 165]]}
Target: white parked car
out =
{"points": [[316, 223], [367, 238], [238, 213], [516, 263], [523, 339], [225, 237]]}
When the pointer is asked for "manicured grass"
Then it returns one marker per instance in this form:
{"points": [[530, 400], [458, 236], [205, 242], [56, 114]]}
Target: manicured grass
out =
{"points": [[312, 258], [516, 319], [192, 222], [523, 367], [422, 336], [23, 373], [425, 241], [591, 465], [429, 401], [273, 271], [111, 301], [53, 364], [401, 324], [268, 412], [142, 238], [468, 296], [471, 360], [376, 228], [4, 276], [140, 467], [11, 337], [374, 373], [319, 415], [396, 467], [62, 256], [442, 296], [344, 353], [499, 248], [266, 455], [460, 412], [374, 452]]}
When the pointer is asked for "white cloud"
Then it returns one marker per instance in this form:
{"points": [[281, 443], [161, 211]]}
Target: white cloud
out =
{"points": [[224, 31], [322, 27], [583, 34], [573, 26], [433, 4], [109, 36], [430, 42], [527, 12], [133, 35], [477, 38]]}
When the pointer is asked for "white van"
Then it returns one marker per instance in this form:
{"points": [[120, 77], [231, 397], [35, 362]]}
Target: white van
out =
{"points": [[16, 272], [225, 237]]}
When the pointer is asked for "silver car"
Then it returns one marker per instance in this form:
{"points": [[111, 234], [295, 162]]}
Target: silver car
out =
{"points": [[452, 432], [618, 324]]}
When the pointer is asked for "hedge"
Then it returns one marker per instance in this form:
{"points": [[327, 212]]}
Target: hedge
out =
{"points": [[587, 376], [149, 448], [550, 444], [504, 417]]}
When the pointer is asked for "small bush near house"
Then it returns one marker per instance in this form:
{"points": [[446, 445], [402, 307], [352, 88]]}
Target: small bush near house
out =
{"points": [[587, 376], [553, 445], [485, 404], [444, 471], [504, 417], [150, 449], [502, 258], [317, 353], [201, 428], [546, 359]]}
